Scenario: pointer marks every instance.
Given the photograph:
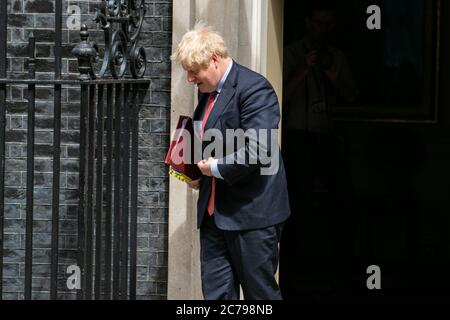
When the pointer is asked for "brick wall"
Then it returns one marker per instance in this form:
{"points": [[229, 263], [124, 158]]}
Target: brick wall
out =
{"points": [[37, 16]]}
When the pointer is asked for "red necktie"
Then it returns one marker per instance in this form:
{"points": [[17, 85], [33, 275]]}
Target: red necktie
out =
{"points": [[209, 106]]}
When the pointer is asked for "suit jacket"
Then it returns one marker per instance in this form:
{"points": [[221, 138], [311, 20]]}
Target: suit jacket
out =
{"points": [[244, 199]]}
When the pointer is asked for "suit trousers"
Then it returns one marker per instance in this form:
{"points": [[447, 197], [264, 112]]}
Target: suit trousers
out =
{"points": [[231, 258]]}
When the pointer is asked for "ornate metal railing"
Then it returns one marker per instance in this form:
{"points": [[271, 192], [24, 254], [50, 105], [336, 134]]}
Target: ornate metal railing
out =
{"points": [[107, 188], [121, 47]]}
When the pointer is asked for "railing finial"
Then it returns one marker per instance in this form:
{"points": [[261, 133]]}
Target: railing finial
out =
{"points": [[85, 52], [84, 34]]}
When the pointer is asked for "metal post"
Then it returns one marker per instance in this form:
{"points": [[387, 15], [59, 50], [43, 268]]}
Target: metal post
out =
{"points": [[90, 194], [125, 194], [108, 195], [117, 193], [134, 190], [99, 195]]}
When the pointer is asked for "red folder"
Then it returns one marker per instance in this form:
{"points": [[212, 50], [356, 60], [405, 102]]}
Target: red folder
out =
{"points": [[181, 162]]}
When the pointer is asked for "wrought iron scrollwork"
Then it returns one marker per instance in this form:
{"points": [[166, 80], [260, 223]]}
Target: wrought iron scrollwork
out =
{"points": [[121, 21]]}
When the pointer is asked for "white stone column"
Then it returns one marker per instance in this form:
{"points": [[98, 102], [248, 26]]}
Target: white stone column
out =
{"points": [[251, 29], [184, 260]]}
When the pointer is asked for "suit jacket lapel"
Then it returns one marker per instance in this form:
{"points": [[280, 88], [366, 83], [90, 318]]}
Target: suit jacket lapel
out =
{"points": [[227, 93], [202, 98]]}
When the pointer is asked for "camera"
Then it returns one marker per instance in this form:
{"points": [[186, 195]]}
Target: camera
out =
{"points": [[324, 58]]}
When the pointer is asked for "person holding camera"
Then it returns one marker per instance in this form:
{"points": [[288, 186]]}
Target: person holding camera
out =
{"points": [[315, 74]]}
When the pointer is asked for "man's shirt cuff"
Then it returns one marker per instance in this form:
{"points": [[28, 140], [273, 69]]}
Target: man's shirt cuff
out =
{"points": [[215, 170]]}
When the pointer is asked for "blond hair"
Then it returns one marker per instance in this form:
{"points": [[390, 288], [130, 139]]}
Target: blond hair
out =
{"points": [[198, 46]]}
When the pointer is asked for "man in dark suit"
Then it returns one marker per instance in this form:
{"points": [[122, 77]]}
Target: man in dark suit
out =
{"points": [[243, 198]]}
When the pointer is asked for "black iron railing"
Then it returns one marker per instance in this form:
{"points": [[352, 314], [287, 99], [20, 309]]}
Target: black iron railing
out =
{"points": [[107, 212]]}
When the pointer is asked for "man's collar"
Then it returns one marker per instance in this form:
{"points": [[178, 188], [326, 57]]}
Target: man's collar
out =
{"points": [[224, 77]]}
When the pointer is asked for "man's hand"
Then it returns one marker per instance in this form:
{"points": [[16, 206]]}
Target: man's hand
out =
{"points": [[311, 58], [205, 166], [195, 184], [332, 73]]}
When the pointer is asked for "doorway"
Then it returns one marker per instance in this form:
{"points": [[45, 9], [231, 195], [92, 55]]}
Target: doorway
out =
{"points": [[367, 158]]}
